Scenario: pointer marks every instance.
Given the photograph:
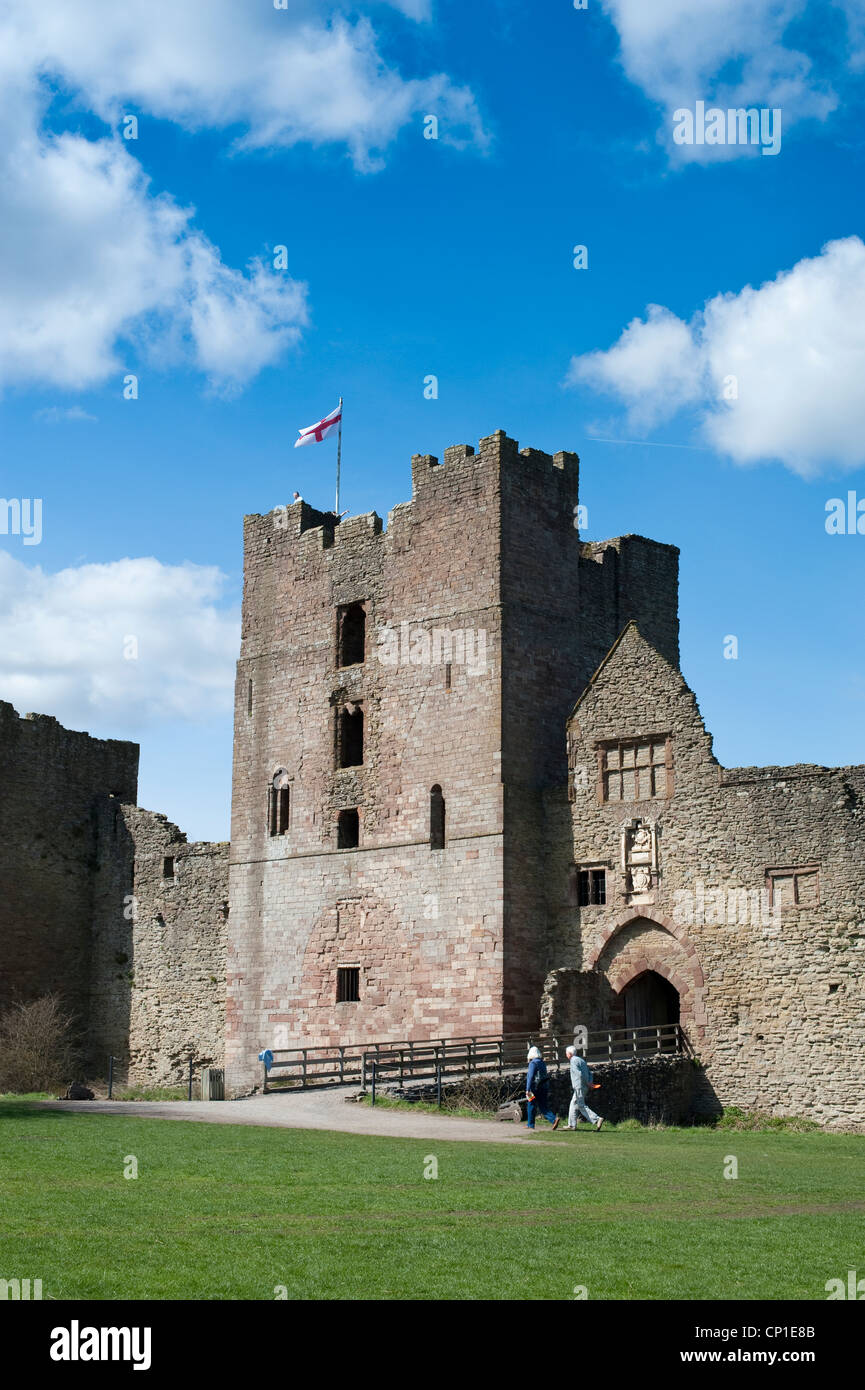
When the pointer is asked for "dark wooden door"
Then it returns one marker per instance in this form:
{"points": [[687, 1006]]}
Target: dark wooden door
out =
{"points": [[649, 1001]]}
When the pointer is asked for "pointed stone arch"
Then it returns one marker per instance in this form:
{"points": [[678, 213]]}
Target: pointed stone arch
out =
{"points": [[655, 919], [636, 942]]}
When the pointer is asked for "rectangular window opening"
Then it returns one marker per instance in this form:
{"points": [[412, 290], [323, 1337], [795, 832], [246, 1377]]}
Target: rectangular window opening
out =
{"points": [[350, 733], [351, 634], [348, 984], [168, 867], [592, 888], [348, 829]]}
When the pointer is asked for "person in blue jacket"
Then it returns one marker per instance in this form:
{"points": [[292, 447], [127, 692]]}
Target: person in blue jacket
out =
{"points": [[538, 1090]]}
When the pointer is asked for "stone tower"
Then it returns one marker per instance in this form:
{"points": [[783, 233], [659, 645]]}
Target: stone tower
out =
{"points": [[400, 712]]}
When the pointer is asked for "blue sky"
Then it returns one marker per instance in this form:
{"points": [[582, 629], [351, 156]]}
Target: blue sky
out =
{"points": [[408, 257]]}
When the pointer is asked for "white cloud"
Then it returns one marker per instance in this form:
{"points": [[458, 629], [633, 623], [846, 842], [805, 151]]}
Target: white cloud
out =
{"points": [[302, 73], [653, 362], [795, 346], [90, 259], [63, 637], [730, 53]]}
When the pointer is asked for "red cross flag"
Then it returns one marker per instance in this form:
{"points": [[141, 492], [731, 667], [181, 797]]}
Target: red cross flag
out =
{"points": [[314, 434]]}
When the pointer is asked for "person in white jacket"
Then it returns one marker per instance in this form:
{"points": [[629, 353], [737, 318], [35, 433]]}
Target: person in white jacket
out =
{"points": [[581, 1080]]}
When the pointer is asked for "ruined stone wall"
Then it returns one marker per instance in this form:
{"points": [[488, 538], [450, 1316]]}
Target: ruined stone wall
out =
{"points": [[656, 1090], [110, 947], [774, 1002], [57, 787], [628, 579], [86, 912], [165, 955]]}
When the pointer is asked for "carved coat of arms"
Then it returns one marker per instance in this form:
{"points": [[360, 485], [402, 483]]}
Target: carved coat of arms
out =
{"points": [[640, 860]]}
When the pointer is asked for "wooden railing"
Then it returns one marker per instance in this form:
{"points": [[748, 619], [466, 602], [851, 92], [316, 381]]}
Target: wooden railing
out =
{"points": [[620, 1044], [457, 1057], [427, 1059]]}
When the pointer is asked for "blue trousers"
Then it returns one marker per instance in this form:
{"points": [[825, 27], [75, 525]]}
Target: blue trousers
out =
{"points": [[538, 1106]]}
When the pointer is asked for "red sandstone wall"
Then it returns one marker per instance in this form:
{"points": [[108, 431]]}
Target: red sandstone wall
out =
{"points": [[424, 926]]}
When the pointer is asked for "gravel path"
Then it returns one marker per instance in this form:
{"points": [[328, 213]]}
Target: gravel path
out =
{"points": [[324, 1109]]}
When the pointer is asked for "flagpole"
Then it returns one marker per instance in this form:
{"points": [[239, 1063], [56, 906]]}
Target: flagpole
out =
{"points": [[338, 455]]}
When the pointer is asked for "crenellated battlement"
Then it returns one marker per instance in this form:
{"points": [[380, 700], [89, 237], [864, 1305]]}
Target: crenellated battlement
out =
{"points": [[448, 485], [497, 449]]}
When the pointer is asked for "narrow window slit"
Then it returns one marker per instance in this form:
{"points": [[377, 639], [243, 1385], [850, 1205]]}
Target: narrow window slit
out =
{"points": [[436, 818]]}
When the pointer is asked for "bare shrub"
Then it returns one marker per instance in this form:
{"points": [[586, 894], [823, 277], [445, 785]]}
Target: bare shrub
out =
{"points": [[37, 1047], [480, 1094]]}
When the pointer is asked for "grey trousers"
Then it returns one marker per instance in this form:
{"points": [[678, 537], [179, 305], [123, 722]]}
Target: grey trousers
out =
{"points": [[578, 1103]]}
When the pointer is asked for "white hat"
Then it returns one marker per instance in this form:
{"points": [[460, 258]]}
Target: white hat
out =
{"points": [[533, 1053]]}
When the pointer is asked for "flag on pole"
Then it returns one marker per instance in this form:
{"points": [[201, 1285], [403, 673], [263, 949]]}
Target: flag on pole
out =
{"points": [[314, 434]]}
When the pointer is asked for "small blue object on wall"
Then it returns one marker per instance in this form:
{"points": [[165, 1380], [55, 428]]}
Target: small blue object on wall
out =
{"points": [[267, 1058]]}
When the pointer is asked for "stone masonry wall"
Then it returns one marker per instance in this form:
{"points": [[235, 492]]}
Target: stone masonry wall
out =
{"points": [[57, 787], [172, 980], [487, 546], [393, 907], [774, 1002], [86, 912]]}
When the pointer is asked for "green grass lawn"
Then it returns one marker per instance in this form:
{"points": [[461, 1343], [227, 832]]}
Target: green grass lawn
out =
{"points": [[230, 1211]]}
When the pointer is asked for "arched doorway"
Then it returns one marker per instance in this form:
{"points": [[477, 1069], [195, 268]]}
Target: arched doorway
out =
{"points": [[650, 1001], [628, 948]]}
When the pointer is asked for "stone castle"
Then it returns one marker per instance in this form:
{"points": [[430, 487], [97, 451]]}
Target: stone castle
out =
{"points": [[472, 794]]}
